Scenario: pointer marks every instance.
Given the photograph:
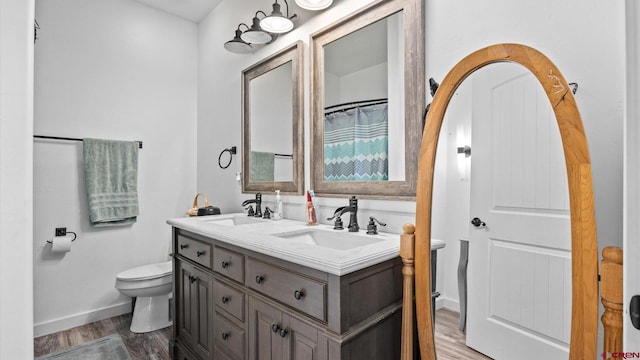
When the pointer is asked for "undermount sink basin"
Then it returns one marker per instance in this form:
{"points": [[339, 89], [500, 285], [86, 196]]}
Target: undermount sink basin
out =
{"points": [[234, 221], [330, 239]]}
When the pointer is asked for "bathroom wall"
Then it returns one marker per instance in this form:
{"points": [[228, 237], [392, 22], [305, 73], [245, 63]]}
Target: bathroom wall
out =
{"points": [[112, 69], [16, 171], [558, 29]]}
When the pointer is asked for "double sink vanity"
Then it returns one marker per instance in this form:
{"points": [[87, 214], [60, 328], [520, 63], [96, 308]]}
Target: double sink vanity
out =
{"points": [[250, 288]]}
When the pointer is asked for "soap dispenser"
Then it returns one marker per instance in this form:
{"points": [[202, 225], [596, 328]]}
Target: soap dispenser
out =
{"points": [[277, 214]]}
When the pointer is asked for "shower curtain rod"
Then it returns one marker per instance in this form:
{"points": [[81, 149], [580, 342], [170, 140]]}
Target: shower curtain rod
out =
{"points": [[72, 139], [353, 105]]}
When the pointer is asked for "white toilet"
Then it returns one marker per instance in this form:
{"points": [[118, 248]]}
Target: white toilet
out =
{"points": [[151, 285]]}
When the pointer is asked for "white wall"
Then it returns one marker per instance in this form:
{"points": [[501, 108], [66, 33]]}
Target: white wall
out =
{"points": [[113, 69], [558, 29], [16, 174]]}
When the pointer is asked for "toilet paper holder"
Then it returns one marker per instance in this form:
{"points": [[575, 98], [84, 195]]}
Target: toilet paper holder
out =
{"points": [[68, 232]]}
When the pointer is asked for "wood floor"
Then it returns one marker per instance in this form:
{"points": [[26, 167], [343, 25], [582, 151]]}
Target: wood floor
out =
{"points": [[149, 346], [450, 343]]}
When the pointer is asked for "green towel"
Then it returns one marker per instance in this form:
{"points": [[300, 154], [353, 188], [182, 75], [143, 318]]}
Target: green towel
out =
{"points": [[261, 166], [111, 176]]}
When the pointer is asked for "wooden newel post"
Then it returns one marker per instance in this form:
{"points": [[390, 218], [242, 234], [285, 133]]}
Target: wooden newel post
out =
{"points": [[611, 295], [407, 253]]}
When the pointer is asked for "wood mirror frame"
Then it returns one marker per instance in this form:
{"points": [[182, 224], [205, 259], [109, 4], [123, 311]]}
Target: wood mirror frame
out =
{"points": [[414, 99], [584, 247], [291, 54]]}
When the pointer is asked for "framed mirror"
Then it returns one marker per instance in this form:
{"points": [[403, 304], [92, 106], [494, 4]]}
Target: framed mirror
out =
{"points": [[272, 124], [582, 339], [367, 91]]}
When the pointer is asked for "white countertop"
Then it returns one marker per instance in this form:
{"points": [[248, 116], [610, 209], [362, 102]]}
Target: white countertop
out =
{"points": [[259, 236]]}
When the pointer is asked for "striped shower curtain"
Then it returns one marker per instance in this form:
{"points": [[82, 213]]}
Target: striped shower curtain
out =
{"points": [[356, 144]]}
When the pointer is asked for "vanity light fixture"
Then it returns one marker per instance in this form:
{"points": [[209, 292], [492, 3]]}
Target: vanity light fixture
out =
{"points": [[314, 4], [237, 45], [276, 22], [255, 34]]}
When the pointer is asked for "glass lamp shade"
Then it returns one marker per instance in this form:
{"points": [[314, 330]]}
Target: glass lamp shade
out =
{"points": [[237, 45], [276, 22], [314, 4], [255, 35]]}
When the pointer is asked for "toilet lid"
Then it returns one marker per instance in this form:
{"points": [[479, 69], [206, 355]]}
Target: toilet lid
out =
{"points": [[146, 272]]}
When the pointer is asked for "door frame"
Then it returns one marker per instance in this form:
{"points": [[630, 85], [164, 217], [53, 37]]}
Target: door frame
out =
{"points": [[631, 336], [584, 246]]}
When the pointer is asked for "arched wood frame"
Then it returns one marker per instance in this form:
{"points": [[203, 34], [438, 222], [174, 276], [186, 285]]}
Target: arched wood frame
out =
{"points": [[584, 247]]}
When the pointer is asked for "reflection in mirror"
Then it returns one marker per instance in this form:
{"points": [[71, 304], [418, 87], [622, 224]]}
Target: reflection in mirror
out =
{"points": [[363, 94], [271, 150], [367, 102], [519, 268], [273, 124]]}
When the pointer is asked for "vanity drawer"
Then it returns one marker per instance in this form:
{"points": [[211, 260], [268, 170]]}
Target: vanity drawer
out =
{"points": [[228, 336], [229, 300], [194, 250], [229, 264], [298, 291]]}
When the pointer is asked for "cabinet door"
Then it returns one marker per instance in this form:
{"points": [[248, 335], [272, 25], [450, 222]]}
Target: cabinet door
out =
{"points": [[195, 308], [303, 341], [275, 335], [265, 324]]}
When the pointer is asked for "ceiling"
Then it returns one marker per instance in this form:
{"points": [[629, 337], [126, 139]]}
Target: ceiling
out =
{"points": [[197, 10], [193, 10]]}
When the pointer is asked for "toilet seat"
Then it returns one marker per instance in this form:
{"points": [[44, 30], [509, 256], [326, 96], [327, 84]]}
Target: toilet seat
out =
{"points": [[146, 272]]}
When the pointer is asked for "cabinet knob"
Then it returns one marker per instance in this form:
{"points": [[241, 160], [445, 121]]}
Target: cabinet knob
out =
{"points": [[192, 279], [298, 294], [225, 299], [225, 264], [259, 279], [183, 246], [283, 332], [275, 327], [224, 335], [199, 253]]}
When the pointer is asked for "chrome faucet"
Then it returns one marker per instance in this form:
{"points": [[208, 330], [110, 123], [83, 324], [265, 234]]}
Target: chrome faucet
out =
{"points": [[258, 202], [353, 210]]}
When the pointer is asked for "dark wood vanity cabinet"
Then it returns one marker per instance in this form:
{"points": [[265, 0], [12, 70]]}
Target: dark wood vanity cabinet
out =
{"points": [[235, 304], [193, 308]]}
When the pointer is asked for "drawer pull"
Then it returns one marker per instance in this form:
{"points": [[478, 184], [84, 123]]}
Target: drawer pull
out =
{"points": [[259, 279], [224, 335], [199, 253], [225, 299], [283, 332], [192, 279], [275, 327], [183, 246], [225, 264], [298, 294]]}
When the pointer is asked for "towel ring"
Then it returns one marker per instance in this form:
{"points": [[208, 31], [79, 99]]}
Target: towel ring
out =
{"points": [[231, 151]]}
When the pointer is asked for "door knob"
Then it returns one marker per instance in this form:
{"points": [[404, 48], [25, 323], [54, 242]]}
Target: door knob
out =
{"points": [[634, 311], [477, 222]]}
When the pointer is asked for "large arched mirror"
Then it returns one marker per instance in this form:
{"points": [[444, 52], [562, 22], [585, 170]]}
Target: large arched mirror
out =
{"points": [[559, 254], [272, 124], [367, 101]]}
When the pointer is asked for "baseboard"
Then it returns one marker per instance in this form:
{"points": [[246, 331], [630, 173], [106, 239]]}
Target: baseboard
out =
{"points": [[448, 303], [52, 326]]}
